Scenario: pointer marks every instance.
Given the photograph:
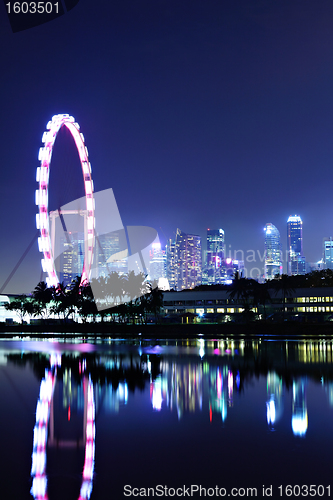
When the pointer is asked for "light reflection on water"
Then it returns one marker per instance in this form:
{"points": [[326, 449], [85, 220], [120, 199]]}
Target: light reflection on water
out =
{"points": [[168, 403]]}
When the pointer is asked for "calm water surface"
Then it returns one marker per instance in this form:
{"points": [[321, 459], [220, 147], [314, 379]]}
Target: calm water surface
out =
{"points": [[87, 419]]}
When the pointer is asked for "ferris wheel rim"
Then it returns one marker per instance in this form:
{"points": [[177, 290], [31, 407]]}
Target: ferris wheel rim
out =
{"points": [[41, 196]]}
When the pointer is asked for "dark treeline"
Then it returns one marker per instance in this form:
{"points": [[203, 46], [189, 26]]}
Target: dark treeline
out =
{"points": [[123, 299]]}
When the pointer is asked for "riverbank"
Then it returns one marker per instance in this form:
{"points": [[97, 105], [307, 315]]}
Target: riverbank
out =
{"points": [[280, 330]]}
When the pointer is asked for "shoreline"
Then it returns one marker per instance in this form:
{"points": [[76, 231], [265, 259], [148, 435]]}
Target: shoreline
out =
{"points": [[172, 331]]}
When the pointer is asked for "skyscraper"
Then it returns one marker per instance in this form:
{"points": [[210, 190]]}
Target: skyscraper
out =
{"points": [[71, 257], [214, 255], [328, 253], [157, 263], [273, 264], [185, 254], [111, 254], [296, 260]]}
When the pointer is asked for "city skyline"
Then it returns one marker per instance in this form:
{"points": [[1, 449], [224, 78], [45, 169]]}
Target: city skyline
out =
{"points": [[198, 116]]}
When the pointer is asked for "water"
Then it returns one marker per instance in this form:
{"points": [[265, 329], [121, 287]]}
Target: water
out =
{"points": [[115, 419]]}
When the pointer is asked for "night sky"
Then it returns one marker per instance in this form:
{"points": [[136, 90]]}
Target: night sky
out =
{"points": [[199, 114]]}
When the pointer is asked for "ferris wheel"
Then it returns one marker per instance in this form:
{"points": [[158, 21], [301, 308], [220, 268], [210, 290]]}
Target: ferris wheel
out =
{"points": [[47, 232]]}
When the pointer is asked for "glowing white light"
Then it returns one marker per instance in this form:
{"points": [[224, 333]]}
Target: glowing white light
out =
{"points": [[157, 395], [299, 424], [89, 204], [85, 491], [295, 218], [38, 488], [90, 222], [88, 187], [90, 430], [85, 167], [271, 412]]}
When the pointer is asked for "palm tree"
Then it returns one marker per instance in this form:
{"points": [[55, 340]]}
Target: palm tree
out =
{"points": [[155, 302], [262, 295], [43, 296], [136, 285], [240, 291]]}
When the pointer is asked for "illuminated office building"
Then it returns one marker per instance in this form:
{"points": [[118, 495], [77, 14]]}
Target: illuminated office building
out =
{"points": [[328, 253], [273, 264], [157, 263], [71, 257], [170, 263], [214, 256], [187, 260], [111, 252], [296, 260]]}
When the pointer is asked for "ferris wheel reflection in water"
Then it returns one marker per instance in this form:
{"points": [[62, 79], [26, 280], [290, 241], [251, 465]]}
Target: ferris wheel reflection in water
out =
{"points": [[44, 417]]}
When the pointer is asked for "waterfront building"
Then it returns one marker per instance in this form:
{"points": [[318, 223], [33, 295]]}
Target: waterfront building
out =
{"points": [[296, 260], [215, 255], [328, 253], [273, 263], [216, 304]]}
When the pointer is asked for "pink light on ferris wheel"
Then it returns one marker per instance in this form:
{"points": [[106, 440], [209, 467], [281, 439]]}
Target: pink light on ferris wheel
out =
{"points": [[42, 177]]}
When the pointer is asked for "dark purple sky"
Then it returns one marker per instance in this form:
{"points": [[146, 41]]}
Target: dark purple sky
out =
{"points": [[211, 113]]}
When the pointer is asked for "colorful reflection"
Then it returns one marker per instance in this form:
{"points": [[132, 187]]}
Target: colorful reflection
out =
{"points": [[44, 415], [299, 421], [274, 403]]}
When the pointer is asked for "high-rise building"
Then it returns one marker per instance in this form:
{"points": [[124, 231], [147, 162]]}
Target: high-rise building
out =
{"points": [[71, 257], [185, 255], [296, 260], [273, 261], [111, 252], [328, 253], [170, 263], [157, 263], [214, 256]]}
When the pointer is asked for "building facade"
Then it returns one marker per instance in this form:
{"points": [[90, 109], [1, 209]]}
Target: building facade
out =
{"points": [[215, 256], [157, 263], [296, 260], [184, 261], [273, 261], [111, 252], [216, 303], [71, 257], [328, 253]]}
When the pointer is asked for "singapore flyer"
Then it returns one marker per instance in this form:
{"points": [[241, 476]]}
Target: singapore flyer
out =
{"points": [[43, 217]]}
